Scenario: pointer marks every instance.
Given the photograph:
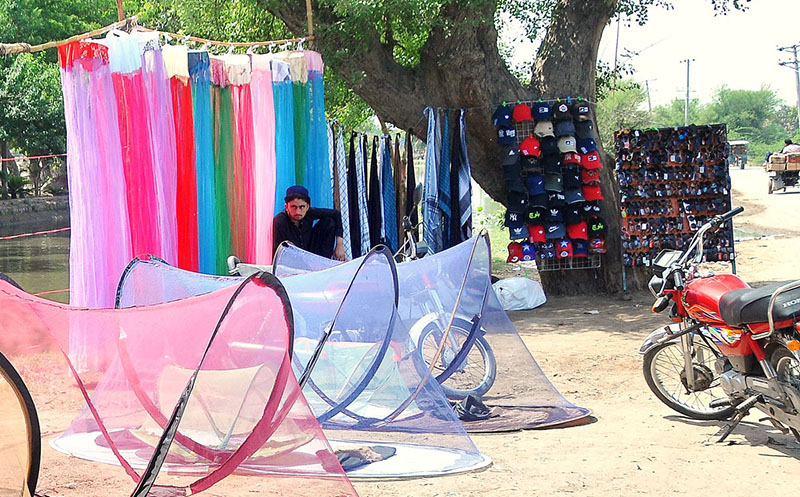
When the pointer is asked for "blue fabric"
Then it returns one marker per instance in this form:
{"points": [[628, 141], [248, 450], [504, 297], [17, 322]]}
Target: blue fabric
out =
{"points": [[361, 154], [344, 203], [318, 174], [204, 161], [284, 140], [444, 180], [464, 182], [431, 217], [389, 203]]}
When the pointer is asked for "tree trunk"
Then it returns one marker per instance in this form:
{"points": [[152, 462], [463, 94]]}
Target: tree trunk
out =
{"points": [[460, 67], [5, 152]]}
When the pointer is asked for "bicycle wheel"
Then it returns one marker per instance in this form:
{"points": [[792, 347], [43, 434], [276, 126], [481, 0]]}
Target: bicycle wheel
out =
{"points": [[476, 373], [21, 443]]}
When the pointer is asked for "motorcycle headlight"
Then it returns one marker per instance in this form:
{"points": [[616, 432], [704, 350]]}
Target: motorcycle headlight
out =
{"points": [[655, 285]]}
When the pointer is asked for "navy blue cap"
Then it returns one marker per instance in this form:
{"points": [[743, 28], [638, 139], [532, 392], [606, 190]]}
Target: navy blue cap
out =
{"points": [[502, 116], [298, 190]]}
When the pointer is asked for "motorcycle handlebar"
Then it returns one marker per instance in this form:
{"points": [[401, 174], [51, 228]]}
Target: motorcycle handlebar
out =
{"points": [[677, 279], [724, 217]]}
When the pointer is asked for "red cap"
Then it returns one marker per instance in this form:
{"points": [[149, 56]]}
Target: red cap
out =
{"points": [[563, 248], [536, 233], [522, 113], [514, 252], [591, 161], [571, 158], [597, 245], [578, 231], [530, 146], [592, 192], [590, 176]]}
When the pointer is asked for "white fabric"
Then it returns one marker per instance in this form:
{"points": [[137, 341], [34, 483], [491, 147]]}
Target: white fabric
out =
{"points": [[517, 294], [176, 59]]}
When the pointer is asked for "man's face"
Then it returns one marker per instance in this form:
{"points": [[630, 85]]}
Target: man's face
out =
{"points": [[297, 209]]}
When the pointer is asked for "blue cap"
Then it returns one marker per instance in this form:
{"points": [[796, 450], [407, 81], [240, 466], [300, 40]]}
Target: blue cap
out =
{"points": [[297, 190]]}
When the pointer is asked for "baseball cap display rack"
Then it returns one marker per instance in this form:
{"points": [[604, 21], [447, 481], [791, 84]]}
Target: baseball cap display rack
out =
{"points": [[672, 180]]}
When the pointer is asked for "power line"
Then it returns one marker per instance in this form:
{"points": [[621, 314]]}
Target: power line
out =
{"points": [[794, 64]]}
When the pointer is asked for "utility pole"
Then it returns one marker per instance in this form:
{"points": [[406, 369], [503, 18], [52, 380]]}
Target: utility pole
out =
{"points": [[647, 88], [796, 66], [686, 108]]}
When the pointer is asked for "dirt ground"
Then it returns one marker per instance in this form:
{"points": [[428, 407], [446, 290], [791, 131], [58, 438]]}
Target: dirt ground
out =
{"points": [[634, 445]]}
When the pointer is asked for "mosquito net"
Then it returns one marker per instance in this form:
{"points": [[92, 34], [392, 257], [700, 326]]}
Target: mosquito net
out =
{"points": [[197, 390], [367, 383], [488, 360], [19, 445]]}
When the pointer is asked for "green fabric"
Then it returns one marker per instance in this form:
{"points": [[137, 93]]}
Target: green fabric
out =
{"points": [[302, 118], [223, 161]]}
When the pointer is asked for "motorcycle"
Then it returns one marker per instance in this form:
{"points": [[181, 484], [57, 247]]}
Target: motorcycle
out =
{"points": [[730, 348]]}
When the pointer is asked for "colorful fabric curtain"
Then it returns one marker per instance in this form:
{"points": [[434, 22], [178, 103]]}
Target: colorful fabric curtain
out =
{"points": [[431, 216], [284, 131], [374, 198], [388, 185], [361, 176], [318, 179], [264, 161], [443, 152], [344, 183], [222, 125]]}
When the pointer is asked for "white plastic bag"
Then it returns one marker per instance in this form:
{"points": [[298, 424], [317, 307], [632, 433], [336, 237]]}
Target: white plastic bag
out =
{"points": [[517, 294]]}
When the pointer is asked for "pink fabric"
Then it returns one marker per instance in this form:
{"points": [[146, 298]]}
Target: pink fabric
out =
{"points": [[264, 165], [243, 118], [314, 61]]}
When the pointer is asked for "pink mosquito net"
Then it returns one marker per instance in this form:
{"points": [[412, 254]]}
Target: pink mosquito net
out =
{"points": [[516, 388], [198, 392], [356, 357]]}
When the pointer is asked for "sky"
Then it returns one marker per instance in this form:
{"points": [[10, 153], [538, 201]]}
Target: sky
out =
{"points": [[738, 50]]}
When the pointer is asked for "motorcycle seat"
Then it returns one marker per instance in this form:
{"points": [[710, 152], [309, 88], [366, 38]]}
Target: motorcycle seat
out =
{"points": [[749, 305]]}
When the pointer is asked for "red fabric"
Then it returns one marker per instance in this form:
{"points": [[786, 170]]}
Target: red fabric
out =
{"points": [[69, 53], [186, 195]]}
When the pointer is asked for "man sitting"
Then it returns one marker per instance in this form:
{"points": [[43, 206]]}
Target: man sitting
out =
{"points": [[790, 147], [296, 223]]}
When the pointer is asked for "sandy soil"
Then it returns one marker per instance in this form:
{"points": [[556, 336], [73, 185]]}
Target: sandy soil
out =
{"points": [[634, 445]]}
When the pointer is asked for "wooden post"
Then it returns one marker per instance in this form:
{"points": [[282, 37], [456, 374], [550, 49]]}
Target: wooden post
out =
{"points": [[120, 11], [310, 17]]}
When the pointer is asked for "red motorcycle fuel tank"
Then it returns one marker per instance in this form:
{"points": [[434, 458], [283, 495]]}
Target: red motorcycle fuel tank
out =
{"points": [[701, 300]]}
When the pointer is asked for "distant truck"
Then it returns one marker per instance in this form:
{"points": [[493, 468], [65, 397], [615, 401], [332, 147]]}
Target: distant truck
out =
{"points": [[783, 171]]}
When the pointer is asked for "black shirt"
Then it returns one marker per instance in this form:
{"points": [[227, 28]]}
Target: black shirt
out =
{"points": [[284, 229]]}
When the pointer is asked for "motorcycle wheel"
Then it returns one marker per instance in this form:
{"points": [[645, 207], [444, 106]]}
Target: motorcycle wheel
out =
{"points": [[475, 375], [787, 366], [662, 368]]}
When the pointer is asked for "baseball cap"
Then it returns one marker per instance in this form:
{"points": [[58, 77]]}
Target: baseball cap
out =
{"points": [[298, 190], [554, 230], [578, 231], [580, 110], [502, 116], [551, 164], [571, 158], [514, 252], [564, 249], [548, 250], [539, 200], [553, 182], [506, 135], [580, 248], [566, 144], [512, 171], [528, 251], [535, 214], [598, 245], [535, 184], [584, 130], [530, 146], [543, 129], [515, 185], [592, 192], [536, 233], [553, 214], [548, 145], [565, 128], [589, 208], [572, 178], [556, 199], [573, 195], [518, 232], [572, 214], [513, 218], [561, 111], [530, 163], [596, 226], [510, 156], [591, 160], [586, 146], [590, 177], [541, 110], [522, 113]]}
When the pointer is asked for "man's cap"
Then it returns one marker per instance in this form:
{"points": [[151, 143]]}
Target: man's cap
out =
{"points": [[514, 252], [584, 130], [549, 146], [517, 201], [586, 146], [572, 214], [544, 129], [530, 163], [580, 110], [590, 177], [297, 190], [548, 250], [573, 195], [512, 171], [535, 214], [591, 208], [580, 248], [565, 128], [530, 146], [566, 144], [556, 199], [553, 182], [536, 233], [561, 111], [592, 192], [539, 200], [578, 231], [513, 219], [596, 226], [553, 214], [510, 155], [518, 232], [522, 113], [572, 177], [598, 245], [551, 164], [506, 135], [591, 160], [570, 158], [502, 116], [563, 249], [541, 110], [554, 230], [535, 184], [528, 251], [514, 185]]}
